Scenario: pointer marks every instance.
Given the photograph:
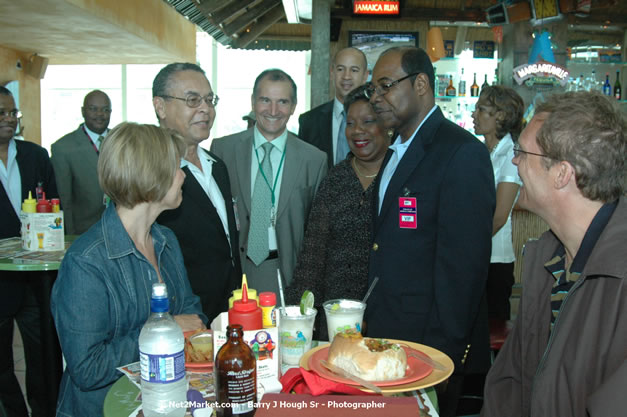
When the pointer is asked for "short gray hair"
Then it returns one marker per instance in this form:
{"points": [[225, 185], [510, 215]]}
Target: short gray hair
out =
{"points": [[587, 130]]}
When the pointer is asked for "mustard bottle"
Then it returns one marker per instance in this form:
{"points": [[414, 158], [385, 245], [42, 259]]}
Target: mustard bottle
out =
{"points": [[30, 204]]}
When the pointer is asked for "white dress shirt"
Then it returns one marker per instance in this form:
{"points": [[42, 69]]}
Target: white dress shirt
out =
{"points": [[209, 185], [11, 179], [94, 136], [504, 171], [399, 149]]}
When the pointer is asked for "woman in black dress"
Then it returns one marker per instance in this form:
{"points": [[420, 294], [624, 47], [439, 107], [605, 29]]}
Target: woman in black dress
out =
{"points": [[334, 260]]}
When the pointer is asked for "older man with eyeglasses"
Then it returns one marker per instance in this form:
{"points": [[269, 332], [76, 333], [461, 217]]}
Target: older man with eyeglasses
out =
{"points": [[434, 203], [204, 223], [23, 166], [75, 161]]}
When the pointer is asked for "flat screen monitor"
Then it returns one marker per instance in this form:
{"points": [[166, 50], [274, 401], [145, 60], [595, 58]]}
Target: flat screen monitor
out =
{"points": [[373, 43]]}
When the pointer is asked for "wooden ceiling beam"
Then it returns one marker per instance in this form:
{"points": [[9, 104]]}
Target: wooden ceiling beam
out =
{"points": [[254, 13], [599, 18], [230, 10], [274, 15], [208, 7]]}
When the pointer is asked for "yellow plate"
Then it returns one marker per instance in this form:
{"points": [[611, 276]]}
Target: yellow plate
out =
{"points": [[432, 379]]}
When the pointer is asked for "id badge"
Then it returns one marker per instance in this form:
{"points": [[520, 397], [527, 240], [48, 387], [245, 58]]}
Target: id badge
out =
{"points": [[407, 213], [272, 238]]}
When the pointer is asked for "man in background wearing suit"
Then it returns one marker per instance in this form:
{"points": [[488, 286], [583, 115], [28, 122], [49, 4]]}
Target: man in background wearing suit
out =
{"points": [[204, 223], [274, 177], [324, 125], [75, 162], [434, 202], [23, 166]]}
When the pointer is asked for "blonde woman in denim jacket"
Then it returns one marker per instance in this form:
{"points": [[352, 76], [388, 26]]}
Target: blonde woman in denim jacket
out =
{"points": [[101, 298]]}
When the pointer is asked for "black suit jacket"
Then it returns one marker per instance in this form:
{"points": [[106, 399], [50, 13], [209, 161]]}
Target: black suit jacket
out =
{"points": [[432, 278], [315, 126], [212, 268], [35, 167]]}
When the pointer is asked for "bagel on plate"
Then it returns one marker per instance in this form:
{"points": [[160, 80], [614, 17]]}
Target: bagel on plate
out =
{"points": [[368, 358]]}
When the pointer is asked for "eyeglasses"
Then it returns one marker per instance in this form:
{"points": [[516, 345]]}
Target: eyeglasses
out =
{"points": [[95, 109], [194, 100], [15, 114], [518, 151], [385, 87]]}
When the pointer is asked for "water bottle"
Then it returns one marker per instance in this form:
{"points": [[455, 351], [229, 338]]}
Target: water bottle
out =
{"points": [[162, 360]]}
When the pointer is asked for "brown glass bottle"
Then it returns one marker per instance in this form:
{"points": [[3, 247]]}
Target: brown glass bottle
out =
{"points": [[235, 376], [474, 88]]}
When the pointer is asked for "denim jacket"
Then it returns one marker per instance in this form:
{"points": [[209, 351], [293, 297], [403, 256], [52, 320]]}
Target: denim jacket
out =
{"points": [[101, 300]]}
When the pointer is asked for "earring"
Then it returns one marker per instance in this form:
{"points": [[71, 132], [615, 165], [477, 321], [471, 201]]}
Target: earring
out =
{"points": [[390, 133]]}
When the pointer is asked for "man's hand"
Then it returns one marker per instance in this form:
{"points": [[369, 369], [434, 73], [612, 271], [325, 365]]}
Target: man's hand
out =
{"points": [[189, 322]]}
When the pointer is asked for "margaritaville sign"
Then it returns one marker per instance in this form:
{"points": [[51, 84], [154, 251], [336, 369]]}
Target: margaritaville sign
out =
{"points": [[376, 7], [541, 72]]}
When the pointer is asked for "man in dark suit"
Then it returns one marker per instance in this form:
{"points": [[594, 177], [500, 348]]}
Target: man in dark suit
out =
{"points": [[324, 125], [23, 166], [205, 222], [75, 162], [274, 194], [434, 202]]}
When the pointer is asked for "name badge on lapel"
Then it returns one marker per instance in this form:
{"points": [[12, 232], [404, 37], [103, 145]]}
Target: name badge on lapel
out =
{"points": [[407, 213]]}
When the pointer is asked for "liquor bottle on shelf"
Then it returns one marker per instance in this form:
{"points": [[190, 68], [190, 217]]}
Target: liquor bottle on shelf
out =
{"points": [[450, 90], [592, 81], [496, 77], [474, 88], [485, 82], [436, 83], [607, 87], [461, 86], [617, 89]]}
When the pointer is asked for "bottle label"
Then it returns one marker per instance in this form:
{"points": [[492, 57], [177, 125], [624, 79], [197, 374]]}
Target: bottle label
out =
{"points": [[162, 369], [241, 390]]}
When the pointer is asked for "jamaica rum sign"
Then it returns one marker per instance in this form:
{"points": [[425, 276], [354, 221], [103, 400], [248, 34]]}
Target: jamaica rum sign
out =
{"points": [[380, 7]]}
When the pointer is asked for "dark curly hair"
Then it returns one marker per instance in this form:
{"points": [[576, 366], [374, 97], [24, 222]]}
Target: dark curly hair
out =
{"points": [[510, 105]]}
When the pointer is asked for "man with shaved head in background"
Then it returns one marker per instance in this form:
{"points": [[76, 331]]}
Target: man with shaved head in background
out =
{"points": [[75, 162], [325, 124]]}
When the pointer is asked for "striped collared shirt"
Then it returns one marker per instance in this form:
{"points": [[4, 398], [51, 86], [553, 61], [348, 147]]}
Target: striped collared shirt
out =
{"points": [[564, 280]]}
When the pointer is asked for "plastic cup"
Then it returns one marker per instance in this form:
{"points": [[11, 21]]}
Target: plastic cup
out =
{"points": [[203, 344], [295, 334], [343, 315]]}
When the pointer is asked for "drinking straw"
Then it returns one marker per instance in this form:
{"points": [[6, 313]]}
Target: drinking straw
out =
{"points": [[374, 282], [281, 294]]}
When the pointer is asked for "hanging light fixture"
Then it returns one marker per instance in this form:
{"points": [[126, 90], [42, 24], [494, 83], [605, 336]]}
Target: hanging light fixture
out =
{"points": [[435, 44]]}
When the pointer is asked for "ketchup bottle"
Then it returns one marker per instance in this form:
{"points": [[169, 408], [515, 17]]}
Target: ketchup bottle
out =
{"points": [[246, 312], [43, 205]]}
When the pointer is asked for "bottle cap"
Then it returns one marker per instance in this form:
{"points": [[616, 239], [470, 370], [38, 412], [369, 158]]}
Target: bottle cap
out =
{"points": [[159, 302], [244, 305], [43, 205], [267, 299], [30, 204]]}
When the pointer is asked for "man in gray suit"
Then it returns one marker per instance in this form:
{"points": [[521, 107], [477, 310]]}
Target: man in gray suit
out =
{"points": [[274, 194], [75, 162]]}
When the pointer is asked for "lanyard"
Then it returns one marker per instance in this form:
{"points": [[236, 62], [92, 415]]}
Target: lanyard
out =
{"points": [[91, 141], [276, 177]]}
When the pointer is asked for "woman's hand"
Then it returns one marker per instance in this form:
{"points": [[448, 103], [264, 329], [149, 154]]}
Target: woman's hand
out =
{"points": [[189, 322]]}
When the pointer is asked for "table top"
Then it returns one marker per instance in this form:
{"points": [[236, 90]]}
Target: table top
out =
{"points": [[121, 400], [14, 258]]}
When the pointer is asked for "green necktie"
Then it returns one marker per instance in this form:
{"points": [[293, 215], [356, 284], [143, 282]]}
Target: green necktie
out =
{"points": [[258, 248]]}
